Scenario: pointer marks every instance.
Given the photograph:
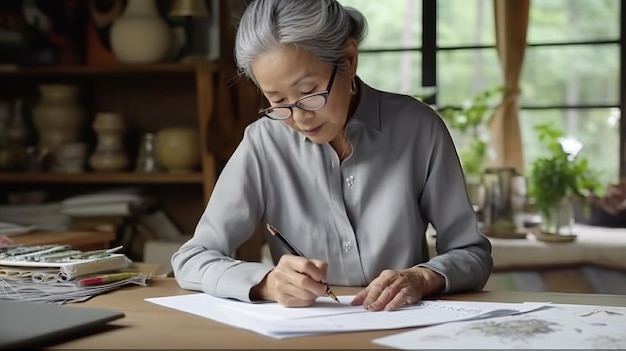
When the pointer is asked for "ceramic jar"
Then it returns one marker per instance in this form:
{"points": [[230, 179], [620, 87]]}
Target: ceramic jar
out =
{"points": [[141, 35], [70, 158], [58, 117], [109, 155], [177, 149]]}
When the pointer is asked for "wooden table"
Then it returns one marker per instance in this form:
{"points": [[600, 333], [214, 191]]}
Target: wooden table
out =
{"points": [[79, 240], [151, 326]]}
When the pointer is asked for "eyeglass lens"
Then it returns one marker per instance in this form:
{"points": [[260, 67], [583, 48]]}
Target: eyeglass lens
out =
{"points": [[310, 103]]}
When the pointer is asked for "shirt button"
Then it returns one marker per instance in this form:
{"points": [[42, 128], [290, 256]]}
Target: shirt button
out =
{"points": [[332, 164], [350, 181], [347, 246]]}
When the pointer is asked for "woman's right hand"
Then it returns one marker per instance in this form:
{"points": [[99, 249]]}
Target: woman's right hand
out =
{"points": [[294, 282]]}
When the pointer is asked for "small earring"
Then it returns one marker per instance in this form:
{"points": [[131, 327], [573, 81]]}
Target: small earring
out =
{"points": [[353, 86]]}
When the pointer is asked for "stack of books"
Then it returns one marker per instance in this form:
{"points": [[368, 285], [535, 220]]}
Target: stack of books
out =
{"points": [[39, 216], [97, 211], [104, 211]]}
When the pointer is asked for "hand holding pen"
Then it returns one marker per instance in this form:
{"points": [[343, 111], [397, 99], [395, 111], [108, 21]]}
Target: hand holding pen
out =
{"points": [[297, 280]]}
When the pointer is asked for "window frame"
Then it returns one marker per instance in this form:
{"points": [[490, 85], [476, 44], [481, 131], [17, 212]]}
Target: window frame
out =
{"points": [[429, 50]]}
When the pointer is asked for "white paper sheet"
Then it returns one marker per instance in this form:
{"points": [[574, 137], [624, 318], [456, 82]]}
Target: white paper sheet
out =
{"points": [[326, 316], [425, 314], [206, 306], [323, 306], [557, 326]]}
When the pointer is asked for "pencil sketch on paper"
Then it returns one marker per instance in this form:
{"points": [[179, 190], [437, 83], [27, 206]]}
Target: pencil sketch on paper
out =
{"points": [[521, 329], [606, 312], [607, 342], [505, 331], [437, 337], [558, 327], [458, 310]]}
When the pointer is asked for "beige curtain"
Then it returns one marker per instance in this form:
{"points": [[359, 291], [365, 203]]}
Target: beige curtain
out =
{"points": [[511, 24]]}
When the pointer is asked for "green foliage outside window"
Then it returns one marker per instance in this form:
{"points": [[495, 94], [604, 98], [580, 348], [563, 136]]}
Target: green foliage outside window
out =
{"points": [[471, 123], [560, 75]]}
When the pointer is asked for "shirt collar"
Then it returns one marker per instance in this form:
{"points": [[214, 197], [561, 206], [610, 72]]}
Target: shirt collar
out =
{"points": [[367, 111]]}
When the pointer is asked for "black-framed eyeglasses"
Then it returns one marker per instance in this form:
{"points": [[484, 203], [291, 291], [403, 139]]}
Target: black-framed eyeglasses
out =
{"points": [[311, 102]]}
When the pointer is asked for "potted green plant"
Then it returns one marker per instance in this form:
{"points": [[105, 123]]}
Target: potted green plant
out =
{"points": [[557, 179]]}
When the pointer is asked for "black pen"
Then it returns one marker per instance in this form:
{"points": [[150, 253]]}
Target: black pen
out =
{"points": [[296, 252]]}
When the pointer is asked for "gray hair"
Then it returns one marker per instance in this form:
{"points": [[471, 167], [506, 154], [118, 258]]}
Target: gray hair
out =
{"points": [[320, 27]]}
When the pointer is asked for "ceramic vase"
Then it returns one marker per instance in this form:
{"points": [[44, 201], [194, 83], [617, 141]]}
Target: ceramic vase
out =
{"points": [[70, 158], [177, 150], [109, 155], [58, 117], [141, 35]]}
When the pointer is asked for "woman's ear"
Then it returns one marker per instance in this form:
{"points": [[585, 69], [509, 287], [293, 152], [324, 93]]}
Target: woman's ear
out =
{"points": [[352, 56]]}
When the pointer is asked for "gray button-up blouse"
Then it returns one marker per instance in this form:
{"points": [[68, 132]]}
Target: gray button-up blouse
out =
{"points": [[363, 215]]}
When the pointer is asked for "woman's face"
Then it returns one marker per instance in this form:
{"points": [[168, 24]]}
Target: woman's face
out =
{"points": [[287, 74]]}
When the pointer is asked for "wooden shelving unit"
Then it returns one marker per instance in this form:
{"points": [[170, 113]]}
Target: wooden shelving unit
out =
{"points": [[83, 70], [150, 97]]}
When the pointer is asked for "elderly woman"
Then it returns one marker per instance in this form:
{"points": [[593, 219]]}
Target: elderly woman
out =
{"points": [[351, 175]]}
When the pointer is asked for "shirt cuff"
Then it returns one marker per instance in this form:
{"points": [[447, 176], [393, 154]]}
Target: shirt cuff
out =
{"points": [[446, 284], [237, 281]]}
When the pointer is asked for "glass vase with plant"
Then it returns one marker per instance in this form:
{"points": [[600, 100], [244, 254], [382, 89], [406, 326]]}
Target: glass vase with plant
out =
{"points": [[557, 178]]}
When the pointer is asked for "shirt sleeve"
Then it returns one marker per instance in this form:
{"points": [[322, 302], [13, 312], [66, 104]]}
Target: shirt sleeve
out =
{"points": [[204, 263], [464, 254]]}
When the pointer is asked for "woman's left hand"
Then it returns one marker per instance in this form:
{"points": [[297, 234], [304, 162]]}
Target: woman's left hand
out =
{"points": [[394, 289]]}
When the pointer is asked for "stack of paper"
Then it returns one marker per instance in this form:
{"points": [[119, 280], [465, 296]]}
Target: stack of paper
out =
{"points": [[557, 326], [60, 292], [56, 273], [326, 316], [67, 268]]}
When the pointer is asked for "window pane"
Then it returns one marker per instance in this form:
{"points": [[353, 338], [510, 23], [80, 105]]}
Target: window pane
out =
{"points": [[573, 20], [465, 22], [596, 129], [392, 23], [462, 74], [569, 75], [398, 72]]}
